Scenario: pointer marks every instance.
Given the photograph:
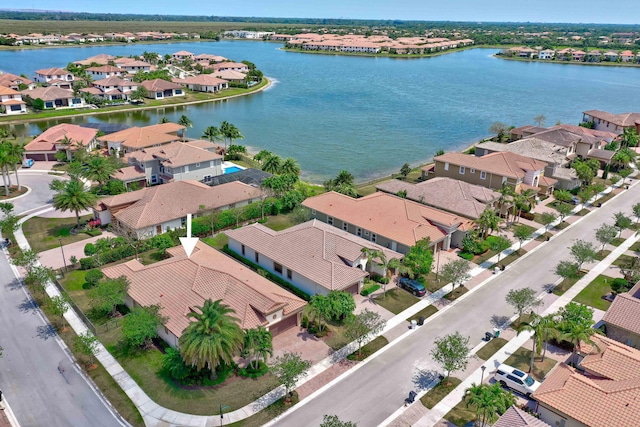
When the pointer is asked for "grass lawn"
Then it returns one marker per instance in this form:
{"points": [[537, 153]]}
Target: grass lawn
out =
{"points": [[602, 254], [426, 312], [437, 393], [483, 257], [512, 257], [43, 233], [396, 300], [218, 242], [583, 212], [562, 225], [565, 285], [431, 283], [606, 198], [370, 348], [145, 368], [635, 247], [456, 293], [280, 222], [490, 349], [618, 241], [521, 358], [623, 260], [593, 293], [544, 237], [460, 415]]}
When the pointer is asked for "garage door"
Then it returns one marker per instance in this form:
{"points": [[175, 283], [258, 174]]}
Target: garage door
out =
{"points": [[283, 325], [36, 157], [353, 289]]}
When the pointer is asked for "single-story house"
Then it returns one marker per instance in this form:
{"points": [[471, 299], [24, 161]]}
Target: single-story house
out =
{"points": [[207, 275], [160, 89], [603, 392], [11, 101], [231, 76], [47, 74], [235, 66], [135, 66], [622, 319], [315, 257], [176, 161], [516, 417], [137, 138], [447, 194], [203, 83], [388, 220], [54, 97], [183, 55], [158, 209], [62, 137]]}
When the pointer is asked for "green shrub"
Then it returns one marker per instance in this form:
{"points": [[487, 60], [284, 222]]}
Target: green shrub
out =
{"points": [[369, 290], [92, 277], [380, 279], [619, 285], [466, 255], [89, 249], [251, 372], [93, 233]]}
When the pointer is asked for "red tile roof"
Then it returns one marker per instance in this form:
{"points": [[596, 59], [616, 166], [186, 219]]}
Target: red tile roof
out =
{"points": [[48, 139]]}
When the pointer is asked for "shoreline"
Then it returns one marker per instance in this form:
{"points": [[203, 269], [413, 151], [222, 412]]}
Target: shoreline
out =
{"points": [[105, 44], [261, 87], [386, 54], [553, 61]]}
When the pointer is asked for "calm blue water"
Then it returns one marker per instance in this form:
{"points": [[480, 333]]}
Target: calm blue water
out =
{"points": [[232, 169], [371, 115]]}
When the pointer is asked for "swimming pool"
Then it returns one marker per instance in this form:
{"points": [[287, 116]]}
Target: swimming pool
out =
{"points": [[232, 169]]}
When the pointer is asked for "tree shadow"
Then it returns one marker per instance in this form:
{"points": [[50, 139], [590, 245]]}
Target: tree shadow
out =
{"points": [[424, 378], [28, 305], [549, 287], [14, 285], [499, 321], [46, 331]]}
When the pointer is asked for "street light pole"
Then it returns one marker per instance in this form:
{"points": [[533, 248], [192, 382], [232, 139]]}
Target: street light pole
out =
{"points": [[222, 408], [482, 376], [64, 260]]}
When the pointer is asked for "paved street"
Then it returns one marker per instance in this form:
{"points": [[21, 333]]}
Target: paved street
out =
{"points": [[40, 194], [373, 392], [39, 394]]}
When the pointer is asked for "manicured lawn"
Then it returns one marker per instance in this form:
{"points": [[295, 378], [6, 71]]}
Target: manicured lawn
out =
{"points": [[593, 293], [583, 212], [370, 348], [426, 312], [218, 242], [562, 225], [512, 257], [43, 233], [280, 222], [145, 368], [602, 254], [483, 257], [565, 285], [456, 293], [460, 415], [151, 257], [431, 283], [73, 280], [396, 300], [618, 241], [635, 247], [606, 198], [437, 393], [490, 349], [544, 237], [521, 358], [623, 260]]}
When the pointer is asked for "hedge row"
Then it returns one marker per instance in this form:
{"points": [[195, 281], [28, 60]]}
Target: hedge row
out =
{"points": [[107, 257], [369, 290], [277, 280]]}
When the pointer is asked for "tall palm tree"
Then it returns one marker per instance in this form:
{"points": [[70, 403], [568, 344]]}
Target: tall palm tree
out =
{"points": [[526, 198], [488, 220], [214, 337], [547, 329], [187, 123], [257, 344], [229, 132], [577, 333], [99, 169], [272, 164], [211, 133], [72, 196], [5, 161], [16, 151], [290, 166], [533, 325], [490, 401], [506, 199]]}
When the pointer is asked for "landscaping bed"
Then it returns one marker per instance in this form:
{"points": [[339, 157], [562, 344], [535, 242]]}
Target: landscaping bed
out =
{"points": [[456, 293], [396, 300], [13, 192], [43, 233], [521, 358], [437, 393]]}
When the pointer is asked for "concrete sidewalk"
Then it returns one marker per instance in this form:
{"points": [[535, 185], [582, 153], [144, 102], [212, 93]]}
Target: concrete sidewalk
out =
{"points": [[53, 257]]}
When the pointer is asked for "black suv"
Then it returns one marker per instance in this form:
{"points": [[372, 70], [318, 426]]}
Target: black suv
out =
{"points": [[413, 286]]}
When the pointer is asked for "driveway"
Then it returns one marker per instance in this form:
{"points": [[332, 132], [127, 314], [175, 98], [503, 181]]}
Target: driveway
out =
{"points": [[39, 195], [374, 391]]}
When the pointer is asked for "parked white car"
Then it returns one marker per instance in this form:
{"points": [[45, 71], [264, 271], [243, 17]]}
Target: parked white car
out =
{"points": [[508, 376]]}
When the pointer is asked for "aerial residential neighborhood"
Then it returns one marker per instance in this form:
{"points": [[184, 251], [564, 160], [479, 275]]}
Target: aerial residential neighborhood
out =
{"points": [[371, 233]]}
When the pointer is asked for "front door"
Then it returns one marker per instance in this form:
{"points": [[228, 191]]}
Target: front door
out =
{"points": [[158, 229]]}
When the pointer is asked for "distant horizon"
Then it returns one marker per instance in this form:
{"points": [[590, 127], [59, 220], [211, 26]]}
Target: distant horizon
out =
{"points": [[582, 12]]}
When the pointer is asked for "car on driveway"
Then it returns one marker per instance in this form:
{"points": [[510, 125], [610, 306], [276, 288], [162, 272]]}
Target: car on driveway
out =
{"points": [[515, 379], [413, 286]]}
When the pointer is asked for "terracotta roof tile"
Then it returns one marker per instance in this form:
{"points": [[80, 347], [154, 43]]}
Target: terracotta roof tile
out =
{"points": [[515, 417], [141, 137], [624, 119], [48, 139], [50, 93], [174, 154], [507, 164]]}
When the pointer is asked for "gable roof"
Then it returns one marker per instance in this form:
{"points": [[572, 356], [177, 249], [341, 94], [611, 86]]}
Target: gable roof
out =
{"points": [[8, 80], [181, 283], [50, 93], [161, 203], [174, 154], [624, 311], [516, 417], [532, 147], [114, 81], [398, 219], [52, 71], [48, 139], [105, 69], [142, 137], [156, 85], [313, 249], [200, 79], [507, 164], [624, 119], [610, 385], [448, 194]]}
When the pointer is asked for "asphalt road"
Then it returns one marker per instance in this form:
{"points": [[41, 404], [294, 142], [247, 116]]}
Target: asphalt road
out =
{"points": [[40, 194], [372, 393], [39, 394]]}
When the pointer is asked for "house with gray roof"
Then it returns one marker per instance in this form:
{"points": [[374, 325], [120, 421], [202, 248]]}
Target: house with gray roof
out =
{"points": [[315, 257], [447, 194]]}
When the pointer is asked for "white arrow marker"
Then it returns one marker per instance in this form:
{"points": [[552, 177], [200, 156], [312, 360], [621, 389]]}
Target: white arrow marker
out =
{"points": [[189, 243]]}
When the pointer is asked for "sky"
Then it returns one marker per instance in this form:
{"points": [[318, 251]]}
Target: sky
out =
{"points": [[574, 11]]}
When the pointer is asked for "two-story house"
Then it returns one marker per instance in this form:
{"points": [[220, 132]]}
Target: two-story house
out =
{"points": [[494, 171], [115, 88], [137, 138], [104, 72], [183, 55], [135, 66], [390, 221], [15, 82], [176, 161], [609, 122], [11, 101], [46, 75]]}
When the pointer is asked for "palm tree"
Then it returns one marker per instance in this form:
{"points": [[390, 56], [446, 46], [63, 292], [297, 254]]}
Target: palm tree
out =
{"points": [[290, 166], [262, 156], [257, 343], [229, 132], [489, 401], [72, 196], [533, 325], [5, 161], [272, 164], [547, 329], [488, 220], [214, 337], [164, 120], [507, 195], [577, 333], [187, 123], [16, 151], [99, 169], [526, 198], [212, 133]]}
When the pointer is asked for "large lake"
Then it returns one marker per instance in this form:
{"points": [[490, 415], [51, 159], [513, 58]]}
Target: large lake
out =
{"points": [[371, 115]]}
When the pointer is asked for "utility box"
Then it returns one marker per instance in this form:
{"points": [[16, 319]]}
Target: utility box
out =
{"points": [[414, 324]]}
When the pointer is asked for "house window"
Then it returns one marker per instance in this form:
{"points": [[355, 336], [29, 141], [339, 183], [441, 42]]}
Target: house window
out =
{"points": [[197, 165], [374, 237], [166, 331], [483, 175], [446, 166], [504, 179], [330, 220], [242, 249], [359, 231], [289, 274], [366, 232], [277, 267], [345, 226], [183, 220], [472, 170], [313, 212], [257, 257], [461, 170]]}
